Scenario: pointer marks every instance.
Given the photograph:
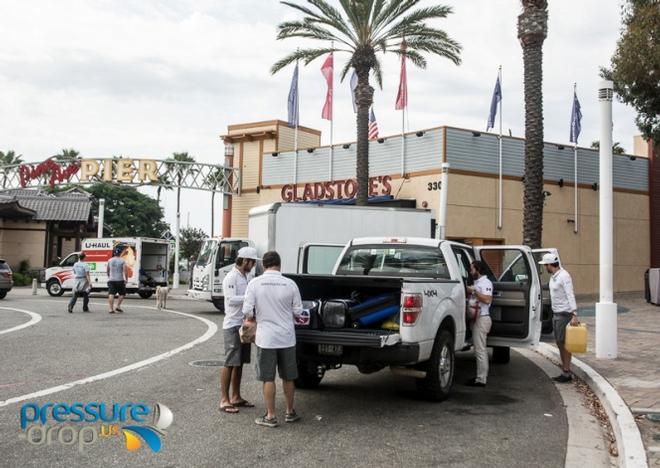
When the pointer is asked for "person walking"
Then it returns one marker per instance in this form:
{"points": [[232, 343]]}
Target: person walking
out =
{"points": [[564, 310], [82, 283], [117, 279], [483, 292], [236, 353], [274, 301]]}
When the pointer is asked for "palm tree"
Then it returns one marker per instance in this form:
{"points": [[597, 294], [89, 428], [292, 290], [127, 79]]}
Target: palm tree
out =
{"points": [[163, 182], [532, 31], [362, 29], [67, 155], [180, 171], [616, 147], [10, 158], [214, 179]]}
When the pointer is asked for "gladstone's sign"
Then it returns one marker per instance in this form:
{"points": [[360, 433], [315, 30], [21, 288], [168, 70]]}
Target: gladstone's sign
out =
{"points": [[336, 189]]}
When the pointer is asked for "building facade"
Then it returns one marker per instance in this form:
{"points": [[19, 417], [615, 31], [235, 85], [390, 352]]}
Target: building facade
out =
{"points": [[410, 169]]}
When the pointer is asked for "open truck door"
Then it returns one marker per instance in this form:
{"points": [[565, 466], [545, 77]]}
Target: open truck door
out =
{"points": [[516, 307], [318, 258]]}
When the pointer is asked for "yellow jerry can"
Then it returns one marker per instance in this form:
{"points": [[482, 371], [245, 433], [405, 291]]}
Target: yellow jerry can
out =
{"points": [[576, 338]]}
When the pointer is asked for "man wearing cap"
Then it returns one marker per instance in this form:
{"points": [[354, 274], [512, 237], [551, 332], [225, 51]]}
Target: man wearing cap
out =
{"points": [[564, 309], [236, 353]]}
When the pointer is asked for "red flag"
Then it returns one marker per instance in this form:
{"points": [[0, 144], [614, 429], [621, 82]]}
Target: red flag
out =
{"points": [[327, 70], [402, 94]]}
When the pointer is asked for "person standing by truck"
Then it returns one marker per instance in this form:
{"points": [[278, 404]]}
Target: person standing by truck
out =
{"points": [[483, 290], [82, 283], [275, 302], [117, 279], [236, 353], [564, 310]]}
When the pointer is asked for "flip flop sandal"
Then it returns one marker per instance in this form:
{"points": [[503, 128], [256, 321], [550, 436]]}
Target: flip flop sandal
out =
{"points": [[119, 310], [243, 404], [111, 311], [228, 409]]}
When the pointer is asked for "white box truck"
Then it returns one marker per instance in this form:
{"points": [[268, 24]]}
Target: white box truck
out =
{"points": [[147, 261], [308, 237]]}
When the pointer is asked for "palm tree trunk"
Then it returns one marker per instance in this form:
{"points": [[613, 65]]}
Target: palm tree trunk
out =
{"points": [[158, 194], [364, 97], [532, 30], [212, 212]]}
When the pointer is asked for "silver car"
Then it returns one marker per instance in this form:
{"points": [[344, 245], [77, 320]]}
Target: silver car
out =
{"points": [[6, 279]]}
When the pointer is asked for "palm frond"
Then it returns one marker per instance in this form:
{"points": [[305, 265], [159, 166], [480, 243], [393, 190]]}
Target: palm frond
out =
{"points": [[344, 71], [305, 55], [415, 57], [306, 29], [378, 73], [390, 12], [334, 19], [416, 18]]}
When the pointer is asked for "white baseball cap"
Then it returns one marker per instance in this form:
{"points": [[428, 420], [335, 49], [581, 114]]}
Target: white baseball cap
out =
{"points": [[249, 253], [549, 259]]}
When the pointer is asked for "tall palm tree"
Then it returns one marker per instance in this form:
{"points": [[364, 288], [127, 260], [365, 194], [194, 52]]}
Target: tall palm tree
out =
{"points": [[10, 158], [214, 179], [67, 155], [363, 29], [179, 171], [532, 31], [164, 182]]}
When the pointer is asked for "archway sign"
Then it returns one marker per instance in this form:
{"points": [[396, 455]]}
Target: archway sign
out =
{"points": [[122, 171]]}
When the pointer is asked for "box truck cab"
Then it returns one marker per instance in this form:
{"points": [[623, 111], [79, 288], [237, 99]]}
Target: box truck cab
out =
{"points": [[308, 237], [147, 260]]}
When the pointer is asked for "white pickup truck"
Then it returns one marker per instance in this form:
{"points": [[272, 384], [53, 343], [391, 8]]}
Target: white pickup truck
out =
{"points": [[405, 307]]}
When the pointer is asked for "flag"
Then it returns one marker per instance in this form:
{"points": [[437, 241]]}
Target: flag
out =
{"points": [[373, 125], [576, 119], [497, 97], [354, 83], [326, 70], [402, 94], [293, 99]]}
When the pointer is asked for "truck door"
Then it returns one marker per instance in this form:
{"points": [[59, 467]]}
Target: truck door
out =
{"points": [[225, 258], [318, 259], [516, 307]]}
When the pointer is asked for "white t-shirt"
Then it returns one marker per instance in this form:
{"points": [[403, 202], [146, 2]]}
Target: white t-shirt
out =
{"points": [[562, 296], [484, 286], [233, 287], [275, 301]]}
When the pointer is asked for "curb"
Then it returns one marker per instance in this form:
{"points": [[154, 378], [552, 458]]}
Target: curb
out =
{"points": [[628, 438]]}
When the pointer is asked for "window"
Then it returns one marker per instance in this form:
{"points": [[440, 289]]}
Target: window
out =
{"points": [[321, 259], [463, 263], [207, 253], [228, 253], [70, 260], [543, 272], [394, 260], [507, 265]]}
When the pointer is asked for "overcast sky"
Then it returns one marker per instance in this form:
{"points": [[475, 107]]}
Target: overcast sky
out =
{"points": [[147, 78]]}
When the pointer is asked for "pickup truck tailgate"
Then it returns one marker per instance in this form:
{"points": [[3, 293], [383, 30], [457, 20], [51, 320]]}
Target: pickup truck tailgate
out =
{"points": [[349, 337]]}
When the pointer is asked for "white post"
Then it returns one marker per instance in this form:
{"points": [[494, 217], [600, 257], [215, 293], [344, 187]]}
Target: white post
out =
{"points": [[101, 218], [175, 276], [499, 182], [441, 228], [606, 319], [331, 147], [575, 194], [403, 141]]}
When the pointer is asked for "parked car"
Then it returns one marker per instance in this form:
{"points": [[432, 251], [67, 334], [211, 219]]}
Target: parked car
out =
{"points": [[6, 279]]}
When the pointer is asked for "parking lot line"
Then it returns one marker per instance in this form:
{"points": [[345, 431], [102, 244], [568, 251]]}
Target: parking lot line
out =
{"points": [[211, 330], [35, 318]]}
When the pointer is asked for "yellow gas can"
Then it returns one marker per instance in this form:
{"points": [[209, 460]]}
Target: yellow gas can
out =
{"points": [[576, 338]]}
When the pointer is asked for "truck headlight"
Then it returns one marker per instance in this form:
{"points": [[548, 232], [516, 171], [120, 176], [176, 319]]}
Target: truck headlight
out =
{"points": [[205, 283]]}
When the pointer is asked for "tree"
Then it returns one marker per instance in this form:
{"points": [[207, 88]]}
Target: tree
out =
{"points": [[163, 183], [128, 212], [616, 147], [364, 29], [214, 179], [179, 171], [67, 155], [191, 242], [9, 158], [635, 67], [532, 31]]}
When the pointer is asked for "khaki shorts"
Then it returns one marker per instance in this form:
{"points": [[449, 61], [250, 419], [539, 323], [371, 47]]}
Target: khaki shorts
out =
{"points": [[284, 359]]}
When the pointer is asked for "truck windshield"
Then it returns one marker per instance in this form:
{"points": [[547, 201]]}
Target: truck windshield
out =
{"points": [[207, 253], [394, 260]]}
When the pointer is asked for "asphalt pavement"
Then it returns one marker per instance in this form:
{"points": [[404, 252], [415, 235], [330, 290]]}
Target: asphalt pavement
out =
{"points": [[352, 420]]}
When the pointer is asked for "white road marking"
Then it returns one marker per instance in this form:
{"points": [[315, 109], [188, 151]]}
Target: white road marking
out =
{"points": [[35, 318], [210, 331]]}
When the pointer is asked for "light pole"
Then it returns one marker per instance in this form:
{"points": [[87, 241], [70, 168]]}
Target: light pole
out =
{"points": [[101, 218], [606, 319]]}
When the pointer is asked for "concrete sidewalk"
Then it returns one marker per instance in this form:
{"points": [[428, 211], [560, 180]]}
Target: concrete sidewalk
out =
{"points": [[635, 374]]}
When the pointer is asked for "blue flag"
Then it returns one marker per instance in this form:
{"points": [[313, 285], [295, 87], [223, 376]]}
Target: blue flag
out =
{"points": [[354, 83], [293, 99], [576, 119], [497, 97]]}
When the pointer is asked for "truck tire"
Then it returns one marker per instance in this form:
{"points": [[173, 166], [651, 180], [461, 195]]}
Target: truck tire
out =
{"points": [[439, 369], [54, 288], [501, 354], [3, 293], [308, 377], [145, 294], [219, 304]]}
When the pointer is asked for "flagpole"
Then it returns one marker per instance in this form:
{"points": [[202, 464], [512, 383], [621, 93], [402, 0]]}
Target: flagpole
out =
{"points": [[403, 141], [499, 194], [295, 132], [575, 174], [332, 112]]}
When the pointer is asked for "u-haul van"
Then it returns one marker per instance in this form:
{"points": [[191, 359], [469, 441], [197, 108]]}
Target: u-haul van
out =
{"points": [[147, 261]]}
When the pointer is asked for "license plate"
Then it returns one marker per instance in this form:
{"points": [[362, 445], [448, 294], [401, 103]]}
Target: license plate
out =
{"points": [[331, 350]]}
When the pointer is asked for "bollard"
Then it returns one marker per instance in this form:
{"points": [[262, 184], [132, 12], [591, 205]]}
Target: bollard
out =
{"points": [[34, 286]]}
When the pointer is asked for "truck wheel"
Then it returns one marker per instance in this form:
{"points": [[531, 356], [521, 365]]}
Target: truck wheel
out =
{"points": [[219, 304], [3, 293], [308, 377], [501, 354], [439, 369], [145, 294], [54, 288]]}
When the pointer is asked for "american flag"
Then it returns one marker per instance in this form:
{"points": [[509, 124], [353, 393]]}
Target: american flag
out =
{"points": [[373, 125]]}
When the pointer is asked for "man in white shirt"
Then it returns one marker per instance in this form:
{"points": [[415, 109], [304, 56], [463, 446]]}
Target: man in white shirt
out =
{"points": [[82, 284], [483, 291], [236, 353], [274, 301], [564, 310]]}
